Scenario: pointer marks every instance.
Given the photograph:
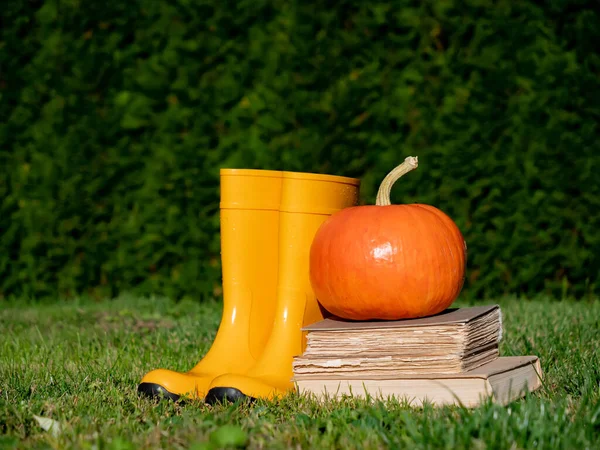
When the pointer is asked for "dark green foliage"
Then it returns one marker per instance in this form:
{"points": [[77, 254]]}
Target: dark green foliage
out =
{"points": [[116, 116]]}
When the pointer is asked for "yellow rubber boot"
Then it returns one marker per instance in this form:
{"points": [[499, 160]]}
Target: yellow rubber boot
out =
{"points": [[307, 201], [250, 201]]}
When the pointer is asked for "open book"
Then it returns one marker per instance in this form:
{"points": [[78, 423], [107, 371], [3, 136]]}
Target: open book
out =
{"points": [[456, 340], [503, 380]]}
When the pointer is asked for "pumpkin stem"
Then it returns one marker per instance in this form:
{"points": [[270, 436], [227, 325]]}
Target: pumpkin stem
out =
{"points": [[385, 188]]}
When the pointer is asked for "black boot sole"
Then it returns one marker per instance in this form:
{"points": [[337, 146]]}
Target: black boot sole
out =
{"points": [[226, 395], [156, 391]]}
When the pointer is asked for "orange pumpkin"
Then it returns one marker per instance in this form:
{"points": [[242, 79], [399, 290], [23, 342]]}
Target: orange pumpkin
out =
{"points": [[388, 261]]}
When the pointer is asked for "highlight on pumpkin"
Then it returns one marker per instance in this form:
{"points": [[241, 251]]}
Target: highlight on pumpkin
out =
{"points": [[387, 261]]}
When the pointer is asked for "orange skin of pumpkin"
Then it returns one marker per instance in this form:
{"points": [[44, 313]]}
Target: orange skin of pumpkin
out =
{"points": [[387, 262]]}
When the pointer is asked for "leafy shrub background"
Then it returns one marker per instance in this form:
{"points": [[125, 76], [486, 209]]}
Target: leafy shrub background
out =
{"points": [[115, 118]]}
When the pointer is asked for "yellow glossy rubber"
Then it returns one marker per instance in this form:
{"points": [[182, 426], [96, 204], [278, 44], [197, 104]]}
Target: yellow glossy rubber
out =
{"points": [[306, 201], [250, 201]]}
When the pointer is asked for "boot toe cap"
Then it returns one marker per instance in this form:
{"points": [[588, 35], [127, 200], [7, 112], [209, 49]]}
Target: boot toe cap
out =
{"points": [[156, 391], [234, 388], [226, 394], [162, 383]]}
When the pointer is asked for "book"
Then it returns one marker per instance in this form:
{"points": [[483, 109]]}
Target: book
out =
{"points": [[503, 380], [456, 340]]}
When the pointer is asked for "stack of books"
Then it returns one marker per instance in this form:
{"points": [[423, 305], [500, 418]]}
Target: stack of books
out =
{"points": [[449, 358]]}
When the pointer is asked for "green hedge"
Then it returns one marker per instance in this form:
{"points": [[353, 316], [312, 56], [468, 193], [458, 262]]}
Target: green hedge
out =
{"points": [[116, 117]]}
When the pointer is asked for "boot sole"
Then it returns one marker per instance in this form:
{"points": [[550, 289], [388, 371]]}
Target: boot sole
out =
{"points": [[226, 395], [156, 391]]}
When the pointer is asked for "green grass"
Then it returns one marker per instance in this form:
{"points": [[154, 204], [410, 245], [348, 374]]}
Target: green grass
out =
{"points": [[79, 363]]}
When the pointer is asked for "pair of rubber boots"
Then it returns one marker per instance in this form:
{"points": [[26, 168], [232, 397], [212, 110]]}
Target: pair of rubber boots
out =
{"points": [[268, 222]]}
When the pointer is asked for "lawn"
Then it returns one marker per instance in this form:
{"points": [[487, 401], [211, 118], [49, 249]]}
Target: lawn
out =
{"points": [[79, 363]]}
